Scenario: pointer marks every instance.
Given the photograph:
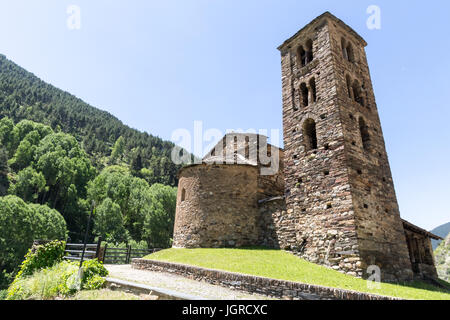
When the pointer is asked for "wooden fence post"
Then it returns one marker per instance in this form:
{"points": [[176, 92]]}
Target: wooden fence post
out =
{"points": [[104, 252], [128, 255]]}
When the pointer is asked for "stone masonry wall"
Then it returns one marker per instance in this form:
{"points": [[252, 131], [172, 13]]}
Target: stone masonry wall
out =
{"points": [[276, 230], [273, 288], [381, 239], [340, 194], [219, 208], [318, 191]]}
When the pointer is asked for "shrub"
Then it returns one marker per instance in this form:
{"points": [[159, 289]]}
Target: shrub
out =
{"points": [[93, 271], [45, 284], [42, 256], [59, 280], [94, 283]]}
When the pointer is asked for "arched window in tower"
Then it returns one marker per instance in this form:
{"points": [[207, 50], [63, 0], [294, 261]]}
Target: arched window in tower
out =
{"points": [[344, 49], [364, 130], [350, 52], [357, 93], [305, 54], [312, 85], [309, 51], [295, 94], [309, 134], [183, 194], [349, 86], [347, 50], [301, 53], [304, 92]]}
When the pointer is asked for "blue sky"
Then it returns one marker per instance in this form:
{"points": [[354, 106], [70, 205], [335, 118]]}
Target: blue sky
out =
{"points": [[161, 65]]}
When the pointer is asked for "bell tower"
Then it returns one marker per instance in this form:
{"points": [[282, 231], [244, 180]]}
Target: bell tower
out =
{"points": [[339, 190]]}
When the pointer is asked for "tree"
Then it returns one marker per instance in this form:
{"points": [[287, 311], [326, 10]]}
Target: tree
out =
{"points": [[108, 222], [49, 223], [4, 183], [20, 224], [66, 168], [147, 175], [117, 151], [6, 133], [28, 184], [23, 156], [136, 163], [130, 193], [16, 234], [159, 219]]}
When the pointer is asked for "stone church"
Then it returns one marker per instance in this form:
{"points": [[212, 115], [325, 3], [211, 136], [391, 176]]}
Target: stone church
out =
{"points": [[331, 198]]}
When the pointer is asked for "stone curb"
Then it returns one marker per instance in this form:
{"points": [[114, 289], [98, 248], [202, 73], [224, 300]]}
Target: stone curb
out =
{"points": [[140, 288], [254, 284]]}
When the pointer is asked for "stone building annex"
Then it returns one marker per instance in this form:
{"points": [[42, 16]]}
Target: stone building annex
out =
{"points": [[332, 199]]}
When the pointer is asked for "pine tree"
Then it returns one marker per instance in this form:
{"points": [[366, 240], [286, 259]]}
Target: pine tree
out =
{"points": [[4, 183]]}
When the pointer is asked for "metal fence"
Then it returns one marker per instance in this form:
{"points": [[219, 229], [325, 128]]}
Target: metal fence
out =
{"points": [[124, 255], [82, 252]]}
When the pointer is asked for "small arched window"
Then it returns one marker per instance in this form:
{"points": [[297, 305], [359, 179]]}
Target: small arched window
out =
{"points": [[302, 56], [350, 52], [309, 51], [349, 86], [309, 134], [357, 93], [183, 194], [304, 92], [312, 85], [347, 50], [344, 49], [364, 130], [305, 54]]}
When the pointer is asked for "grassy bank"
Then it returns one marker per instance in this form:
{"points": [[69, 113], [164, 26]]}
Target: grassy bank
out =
{"points": [[281, 265]]}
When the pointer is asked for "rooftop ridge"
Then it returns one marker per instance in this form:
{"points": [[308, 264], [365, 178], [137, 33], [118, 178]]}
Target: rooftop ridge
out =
{"points": [[324, 15]]}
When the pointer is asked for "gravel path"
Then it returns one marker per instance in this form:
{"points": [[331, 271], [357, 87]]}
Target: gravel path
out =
{"points": [[179, 284]]}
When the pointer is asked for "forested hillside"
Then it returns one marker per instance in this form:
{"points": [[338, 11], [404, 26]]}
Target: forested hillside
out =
{"points": [[441, 231], [25, 96], [61, 159]]}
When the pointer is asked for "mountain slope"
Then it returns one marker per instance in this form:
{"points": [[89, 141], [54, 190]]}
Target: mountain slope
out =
{"points": [[441, 231], [25, 96]]}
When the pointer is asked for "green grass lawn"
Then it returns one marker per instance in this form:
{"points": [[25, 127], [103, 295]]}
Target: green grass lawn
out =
{"points": [[281, 265], [103, 294]]}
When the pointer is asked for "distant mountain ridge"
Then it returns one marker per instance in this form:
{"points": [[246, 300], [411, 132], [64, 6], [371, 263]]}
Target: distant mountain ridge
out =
{"points": [[441, 231], [25, 96]]}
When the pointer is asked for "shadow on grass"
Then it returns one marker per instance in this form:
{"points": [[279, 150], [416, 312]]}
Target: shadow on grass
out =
{"points": [[424, 286]]}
